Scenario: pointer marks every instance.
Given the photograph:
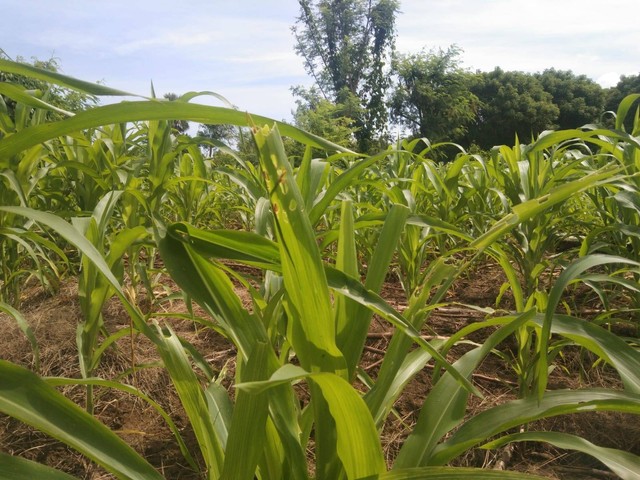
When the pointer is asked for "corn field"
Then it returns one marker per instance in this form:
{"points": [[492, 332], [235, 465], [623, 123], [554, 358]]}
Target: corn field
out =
{"points": [[115, 198]]}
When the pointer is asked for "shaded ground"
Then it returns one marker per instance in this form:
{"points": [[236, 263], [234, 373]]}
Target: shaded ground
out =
{"points": [[54, 321]]}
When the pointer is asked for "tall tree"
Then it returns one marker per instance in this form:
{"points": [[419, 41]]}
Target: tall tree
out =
{"points": [[345, 46], [579, 99], [511, 103], [432, 97]]}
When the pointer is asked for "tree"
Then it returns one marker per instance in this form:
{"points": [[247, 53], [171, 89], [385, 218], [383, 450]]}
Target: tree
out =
{"points": [[221, 132], [345, 45], [579, 99], [319, 116], [329, 120], [511, 103], [627, 85], [432, 97]]}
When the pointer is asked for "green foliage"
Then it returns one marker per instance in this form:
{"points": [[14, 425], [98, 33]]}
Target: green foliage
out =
{"points": [[345, 46], [58, 96], [627, 85], [313, 228], [432, 98], [579, 99], [316, 114], [212, 134], [512, 103], [28, 398]]}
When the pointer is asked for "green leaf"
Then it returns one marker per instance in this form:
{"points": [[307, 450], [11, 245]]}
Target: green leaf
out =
{"points": [[354, 290], [26, 397], [208, 285], [53, 221], [260, 251], [613, 349], [445, 406], [16, 468], [19, 94], [623, 109], [220, 410], [58, 79], [73, 236], [58, 381], [245, 247], [344, 308], [247, 432], [529, 209], [339, 184], [573, 271], [311, 330], [358, 445], [624, 464], [353, 329], [147, 110], [192, 398], [519, 412], [455, 473]]}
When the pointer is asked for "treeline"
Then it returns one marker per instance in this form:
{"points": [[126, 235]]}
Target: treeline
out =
{"points": [[433, 97], [365, 92]]}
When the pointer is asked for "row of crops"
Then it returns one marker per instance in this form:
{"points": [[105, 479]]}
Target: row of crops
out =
{"points": [[113, 197]]}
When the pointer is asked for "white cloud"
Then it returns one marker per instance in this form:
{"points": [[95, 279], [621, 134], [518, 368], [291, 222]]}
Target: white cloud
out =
{"points": [[244, 50], [579, 35], [608, 79], [170, 39]]}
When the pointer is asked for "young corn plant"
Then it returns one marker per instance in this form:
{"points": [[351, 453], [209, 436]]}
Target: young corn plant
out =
{"points": [[24, 253], [544, 170], [310, 327], [93, 289], [427, 446], [615, 206]]}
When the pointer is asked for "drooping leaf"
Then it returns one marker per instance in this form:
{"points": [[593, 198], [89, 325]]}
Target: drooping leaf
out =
{"points": [[500, 418], [17, 468], [26, 397], [455, 473], [624, 464]]}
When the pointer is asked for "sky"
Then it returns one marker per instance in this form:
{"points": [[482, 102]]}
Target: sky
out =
{"points": [[243, 49]]}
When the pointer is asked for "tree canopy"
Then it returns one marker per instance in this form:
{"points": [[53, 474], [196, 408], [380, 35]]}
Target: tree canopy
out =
{"points": [[627, 85], [345, 46], [511, 103], [579, 99], [432, 96]]}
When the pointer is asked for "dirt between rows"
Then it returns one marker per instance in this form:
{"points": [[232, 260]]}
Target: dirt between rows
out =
{"points": [[54, 319]]}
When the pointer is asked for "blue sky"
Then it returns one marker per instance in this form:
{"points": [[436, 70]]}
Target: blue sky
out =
{"points": [[243, 49]]}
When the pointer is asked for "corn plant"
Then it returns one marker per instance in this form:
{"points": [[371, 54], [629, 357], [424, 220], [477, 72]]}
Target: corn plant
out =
{"points": [[310, 326], [24, 253], [541, 170], [416, 452], [615, 205], [93, 290]]}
